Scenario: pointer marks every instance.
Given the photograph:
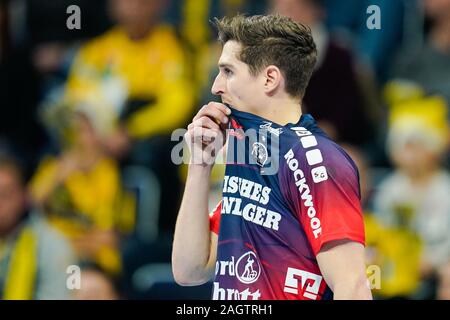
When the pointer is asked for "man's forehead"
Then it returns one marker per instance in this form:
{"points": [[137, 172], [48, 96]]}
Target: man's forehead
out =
{"points": [[230, 53]]}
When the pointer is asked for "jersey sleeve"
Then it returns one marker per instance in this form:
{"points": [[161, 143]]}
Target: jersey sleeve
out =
{"points": [[214, 218], [322, 190]]}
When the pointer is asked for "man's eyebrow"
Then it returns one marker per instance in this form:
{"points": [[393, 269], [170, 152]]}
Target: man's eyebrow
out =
{"points": [[225, 65]]}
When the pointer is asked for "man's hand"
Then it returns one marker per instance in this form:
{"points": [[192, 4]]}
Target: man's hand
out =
{"points": [[206, 134]]}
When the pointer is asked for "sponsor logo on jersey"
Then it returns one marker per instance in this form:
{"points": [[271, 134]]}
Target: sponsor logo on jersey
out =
{"points": [[305, 192], [259, 152], [319, 174], [268, 126], [234, 294], [313, 156], [308, 285], [251, 212], [246, 269]]}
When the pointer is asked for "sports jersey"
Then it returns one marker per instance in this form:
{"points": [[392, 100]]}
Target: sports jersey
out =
{"points": [[287, 191]]}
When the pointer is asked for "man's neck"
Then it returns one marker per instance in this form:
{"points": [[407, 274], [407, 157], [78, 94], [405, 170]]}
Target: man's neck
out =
{"points": [[281, 111]]}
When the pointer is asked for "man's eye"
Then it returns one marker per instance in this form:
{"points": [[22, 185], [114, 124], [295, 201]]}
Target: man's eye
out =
{"points": [[227, 71]]}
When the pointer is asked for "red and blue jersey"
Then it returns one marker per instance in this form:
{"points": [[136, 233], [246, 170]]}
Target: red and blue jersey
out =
{"points": [[287, 191]]}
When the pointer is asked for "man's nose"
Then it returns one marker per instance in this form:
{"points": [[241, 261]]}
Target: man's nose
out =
{"points": [[218, 86]]}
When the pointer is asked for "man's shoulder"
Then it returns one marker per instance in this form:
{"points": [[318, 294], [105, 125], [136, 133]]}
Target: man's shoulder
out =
{"points": [[317, 156], [314, 146]]}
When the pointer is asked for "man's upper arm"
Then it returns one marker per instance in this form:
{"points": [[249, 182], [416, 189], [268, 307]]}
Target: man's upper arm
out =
{"points": [[342, 264]]}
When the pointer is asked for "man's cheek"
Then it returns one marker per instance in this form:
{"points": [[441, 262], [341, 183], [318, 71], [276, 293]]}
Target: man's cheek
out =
{"points": [[238, 91]]}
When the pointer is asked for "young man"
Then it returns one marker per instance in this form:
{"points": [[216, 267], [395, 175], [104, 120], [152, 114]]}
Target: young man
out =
{"points": [[296, 233]]}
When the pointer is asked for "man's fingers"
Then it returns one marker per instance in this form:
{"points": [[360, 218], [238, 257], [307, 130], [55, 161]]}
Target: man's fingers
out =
{"points": [[205, 134], [206, 130], [217, 115], [221, 107], [217, 111], [205, 122], [202, 135]]}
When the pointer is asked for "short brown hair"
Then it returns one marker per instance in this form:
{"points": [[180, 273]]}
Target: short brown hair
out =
{"points": [[273, 40]]}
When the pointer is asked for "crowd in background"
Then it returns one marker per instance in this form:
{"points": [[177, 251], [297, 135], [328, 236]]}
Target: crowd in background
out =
{"points": [[86, 116]]}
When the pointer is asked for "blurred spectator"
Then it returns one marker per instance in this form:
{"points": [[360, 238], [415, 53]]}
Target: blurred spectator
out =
{"points": [[395, 250], [35, 49], [342, 111], [81, 193], [33, 257], [141, 67], [96, 285], [414, 198], [146, 60], [429, 65]]}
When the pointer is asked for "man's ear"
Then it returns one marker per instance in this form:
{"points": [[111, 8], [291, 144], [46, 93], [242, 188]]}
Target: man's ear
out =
{"points": [[273, 79]]}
